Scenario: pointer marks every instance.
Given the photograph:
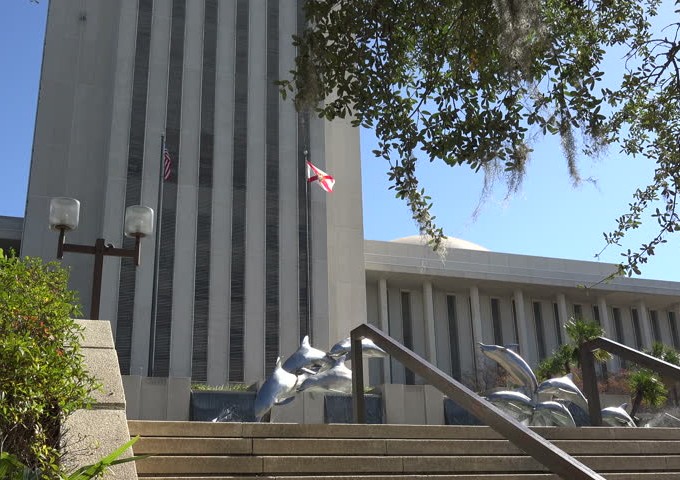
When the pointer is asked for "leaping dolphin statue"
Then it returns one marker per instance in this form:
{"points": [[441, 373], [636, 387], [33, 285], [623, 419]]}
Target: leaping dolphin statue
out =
{"points": [[518, 369], [304, 357], [617, 416], [338, 379], [551, 413], [515, 403], [565, 389], [368, 348], [278, 389]]}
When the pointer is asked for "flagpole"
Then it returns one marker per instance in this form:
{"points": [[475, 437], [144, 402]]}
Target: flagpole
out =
{"points": [[309, 254], [154, 294]]}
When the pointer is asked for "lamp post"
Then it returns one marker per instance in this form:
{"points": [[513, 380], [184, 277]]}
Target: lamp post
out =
{"points": [[64, 215]]}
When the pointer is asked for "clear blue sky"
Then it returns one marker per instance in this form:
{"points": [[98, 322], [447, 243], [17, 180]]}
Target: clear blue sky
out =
{"points": [[548, 217]]}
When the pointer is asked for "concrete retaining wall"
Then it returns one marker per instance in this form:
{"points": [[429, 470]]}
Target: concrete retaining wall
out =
{"points": [[157, 398], [153, 398], [89, 435]]}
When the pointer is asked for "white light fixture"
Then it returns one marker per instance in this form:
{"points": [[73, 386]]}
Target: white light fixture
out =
{"points": [[64, 213], [138, 221]]}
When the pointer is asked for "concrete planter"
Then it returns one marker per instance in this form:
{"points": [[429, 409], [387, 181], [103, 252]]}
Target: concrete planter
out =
{"points": [[227, 406], [157, 398], [338, 408], [412, 404]]}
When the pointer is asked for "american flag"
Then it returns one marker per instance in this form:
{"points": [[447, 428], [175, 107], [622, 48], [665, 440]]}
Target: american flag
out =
{"points": [[167, 164]]}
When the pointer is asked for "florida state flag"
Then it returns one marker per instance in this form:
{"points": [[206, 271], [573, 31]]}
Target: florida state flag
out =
{"points": [[315, 174]]}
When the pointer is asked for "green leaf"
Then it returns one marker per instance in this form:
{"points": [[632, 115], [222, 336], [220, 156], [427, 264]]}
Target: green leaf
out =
{"points": [[91, 471]]}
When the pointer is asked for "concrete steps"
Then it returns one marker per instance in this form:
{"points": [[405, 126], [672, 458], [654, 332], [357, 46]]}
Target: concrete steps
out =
{"points": [[389, 452], [503, 476]]}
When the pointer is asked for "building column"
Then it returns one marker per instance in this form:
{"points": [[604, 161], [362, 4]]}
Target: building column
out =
{"points": [[428, 311], [383, 318], [645, 325], [562, 312], [184, 270], [476, 324], [607, 324], [675, 309], [522, 327]]}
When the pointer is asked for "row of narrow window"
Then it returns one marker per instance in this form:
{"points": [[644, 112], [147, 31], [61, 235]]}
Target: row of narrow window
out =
{"points": [[453, 327]]}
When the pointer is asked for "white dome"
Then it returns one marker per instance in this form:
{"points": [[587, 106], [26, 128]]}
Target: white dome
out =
{"points": [[449, 242]]}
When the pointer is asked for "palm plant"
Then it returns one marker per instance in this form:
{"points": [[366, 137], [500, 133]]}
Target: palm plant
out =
{"points": [[651, 389], [567, 356], [665, 353], [647, 388], [581, 331], [557, 364]]}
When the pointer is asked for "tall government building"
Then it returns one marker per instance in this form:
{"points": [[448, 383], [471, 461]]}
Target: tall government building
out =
{"points": [[250, 259]]}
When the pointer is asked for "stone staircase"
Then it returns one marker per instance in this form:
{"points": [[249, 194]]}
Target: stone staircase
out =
{"points": [[265, 451]]}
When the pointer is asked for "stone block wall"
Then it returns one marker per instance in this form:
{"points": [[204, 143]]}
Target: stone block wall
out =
{"points": [[89, 435]]}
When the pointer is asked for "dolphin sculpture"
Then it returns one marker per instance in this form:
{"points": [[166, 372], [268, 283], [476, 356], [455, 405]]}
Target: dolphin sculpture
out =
{"points": [[514, 403], [368, 348], [664, 419], [278, 389], [304, 357], [551, 413], [338, 379], [565, 389], [617, 416], [518, 369]]}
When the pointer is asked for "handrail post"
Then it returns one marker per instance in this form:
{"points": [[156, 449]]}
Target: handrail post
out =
{"points": [[590, 383], [358, 402]]}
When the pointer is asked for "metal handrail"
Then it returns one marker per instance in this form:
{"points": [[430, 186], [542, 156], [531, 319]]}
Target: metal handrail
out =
{"points": [[554, 459], [665, 369]]}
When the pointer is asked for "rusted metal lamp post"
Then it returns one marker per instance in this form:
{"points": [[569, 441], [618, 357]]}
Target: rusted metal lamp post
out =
{"points": [[64, 215]]}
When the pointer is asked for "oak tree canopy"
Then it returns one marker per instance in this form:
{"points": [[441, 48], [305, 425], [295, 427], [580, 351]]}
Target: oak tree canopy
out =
{"points": [[471, 82]]}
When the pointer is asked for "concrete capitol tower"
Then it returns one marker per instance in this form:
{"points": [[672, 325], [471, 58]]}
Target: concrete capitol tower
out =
{"points": [[251, 257]]}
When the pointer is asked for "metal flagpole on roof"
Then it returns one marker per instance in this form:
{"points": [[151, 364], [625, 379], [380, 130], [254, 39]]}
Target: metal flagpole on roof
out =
{"points": [[154, 295]]}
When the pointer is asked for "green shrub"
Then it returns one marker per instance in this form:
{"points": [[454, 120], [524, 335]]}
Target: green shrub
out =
{"points": [[42, 374], [11, 467], [559, 363]]}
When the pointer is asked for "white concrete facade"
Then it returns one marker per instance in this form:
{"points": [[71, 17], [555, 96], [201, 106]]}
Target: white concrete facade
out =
{"points": [[534, 297], [252, 257]]}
